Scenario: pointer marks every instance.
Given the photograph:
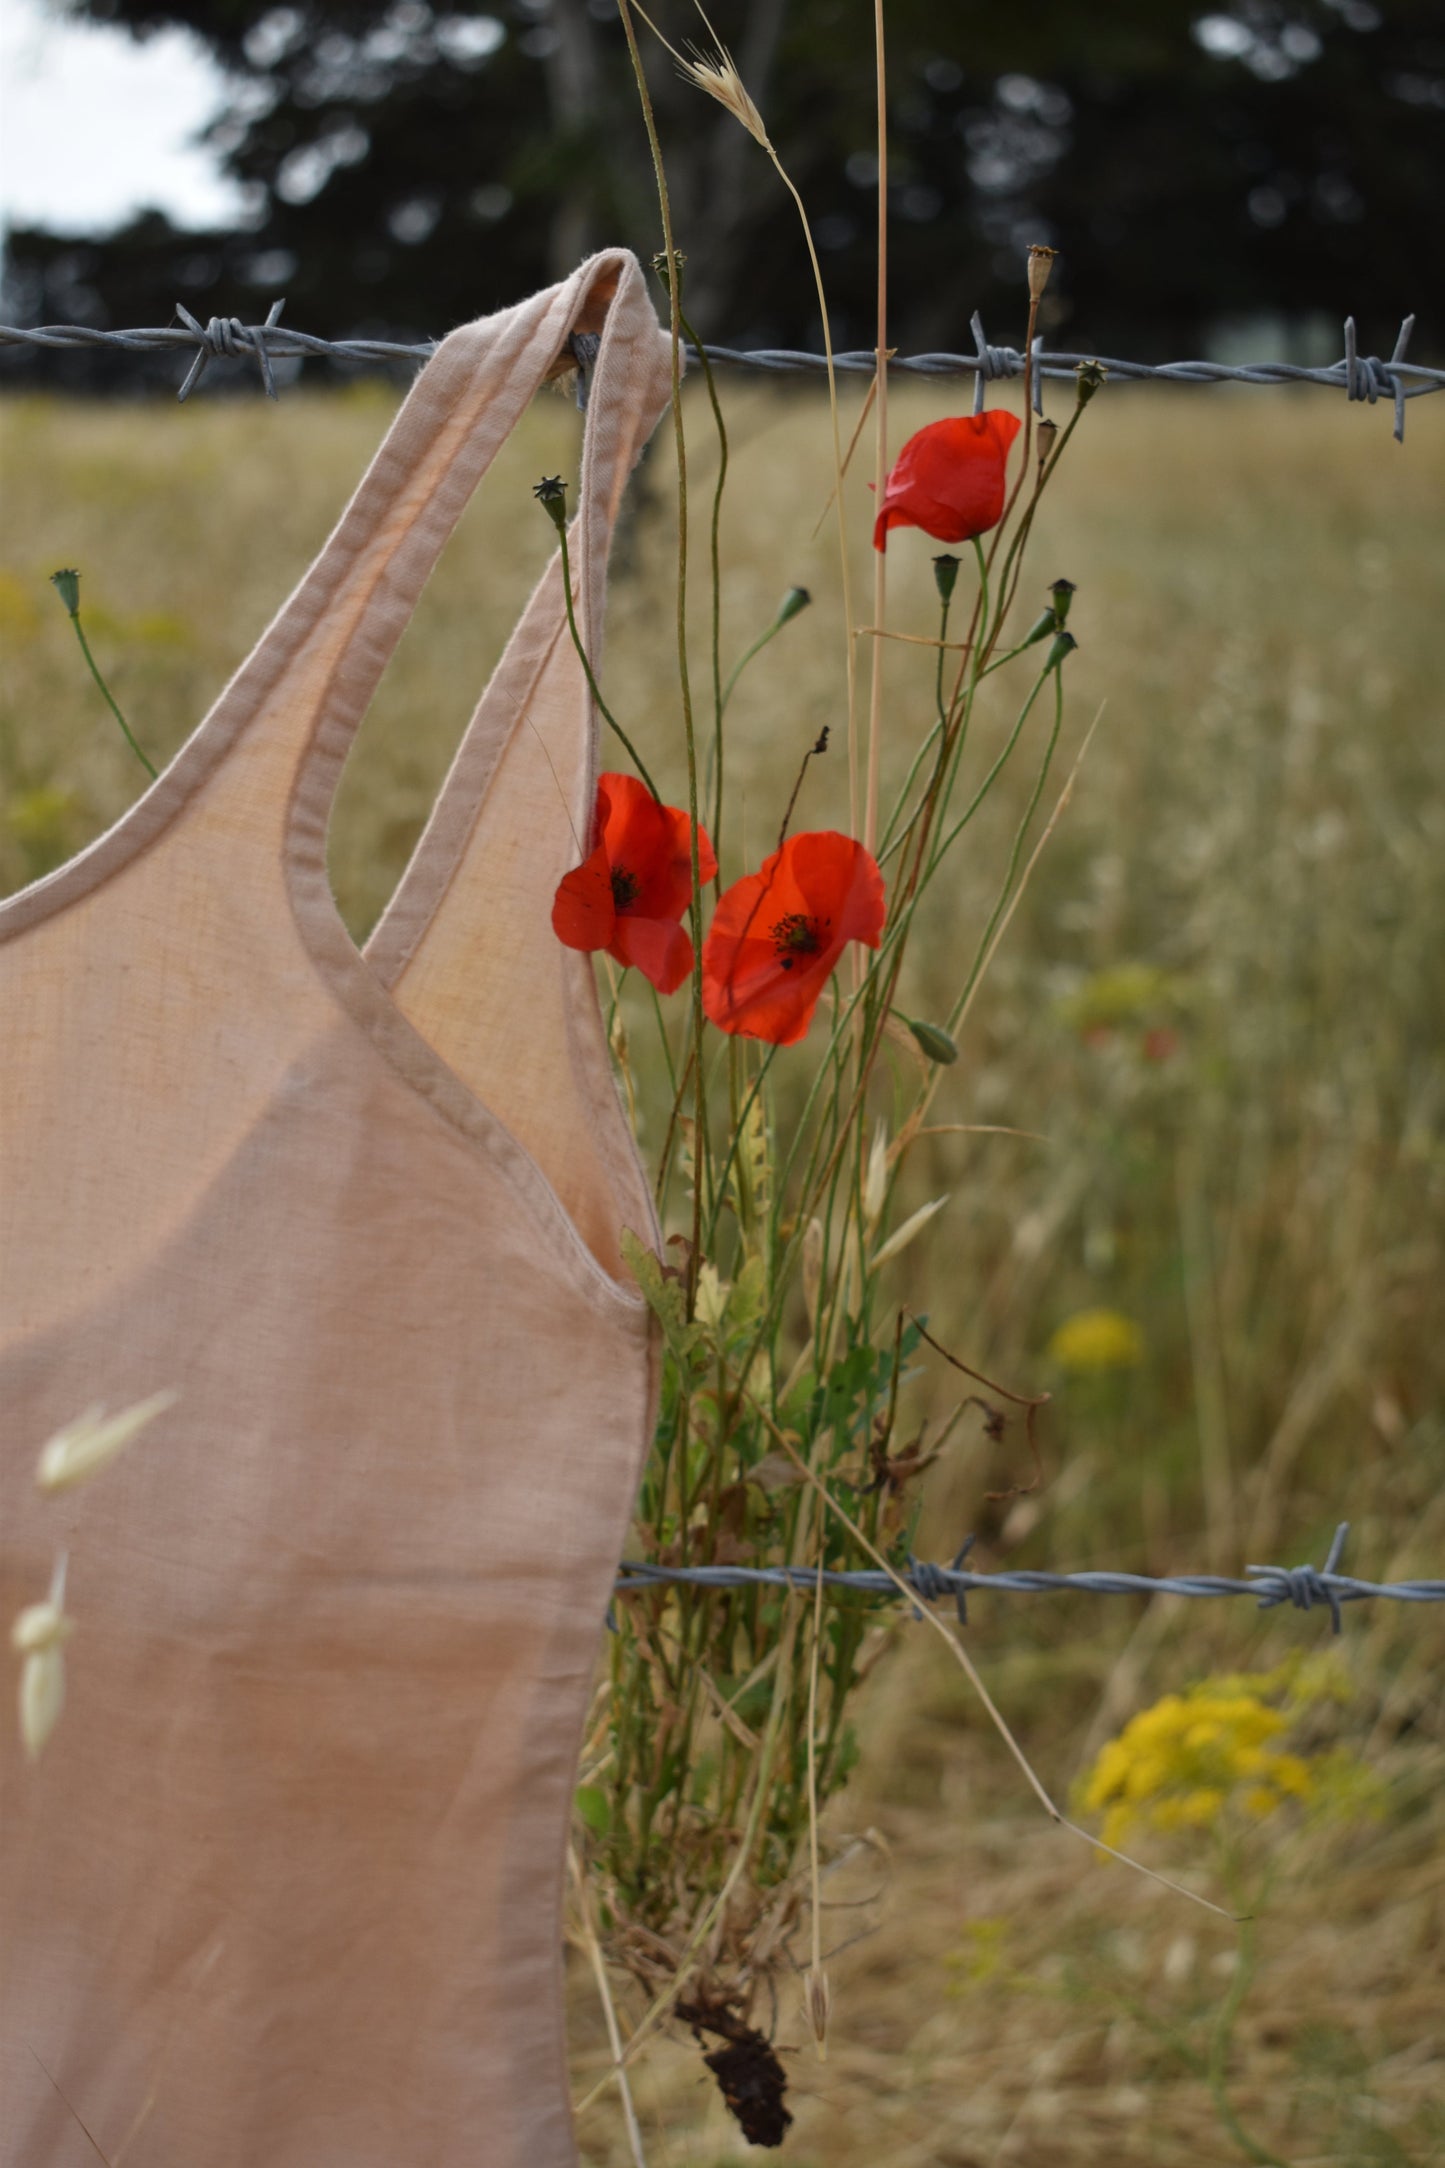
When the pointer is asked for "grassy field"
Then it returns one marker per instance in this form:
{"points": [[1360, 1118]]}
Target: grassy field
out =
{"points": [[1218, 1011]]}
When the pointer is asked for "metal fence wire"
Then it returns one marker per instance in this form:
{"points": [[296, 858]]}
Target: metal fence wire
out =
{"points": [[1359, 376], [1305, 1587]]}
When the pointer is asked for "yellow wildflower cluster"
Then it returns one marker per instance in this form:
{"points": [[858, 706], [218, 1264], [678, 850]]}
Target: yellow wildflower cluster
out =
{"points": [[1215, 1750], [1092, 1341]]}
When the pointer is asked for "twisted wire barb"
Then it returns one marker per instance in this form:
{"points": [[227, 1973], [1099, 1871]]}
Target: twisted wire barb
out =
{"points": [[1305, 1587], [1360, 376]]}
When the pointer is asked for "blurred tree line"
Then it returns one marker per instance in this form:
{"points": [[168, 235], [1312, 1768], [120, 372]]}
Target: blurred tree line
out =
{"points": [[405, 167]]}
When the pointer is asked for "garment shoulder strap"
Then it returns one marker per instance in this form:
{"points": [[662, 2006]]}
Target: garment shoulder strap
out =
{"points": [[466, 943]]}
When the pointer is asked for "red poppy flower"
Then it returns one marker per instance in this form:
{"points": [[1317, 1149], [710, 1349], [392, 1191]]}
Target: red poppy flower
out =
{"points": [[949, 478], [776, 936], [630, 894]]}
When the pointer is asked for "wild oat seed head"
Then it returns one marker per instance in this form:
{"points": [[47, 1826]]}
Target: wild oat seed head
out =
{"points": [[812, 1268], [93, 1440], [716, 73]]}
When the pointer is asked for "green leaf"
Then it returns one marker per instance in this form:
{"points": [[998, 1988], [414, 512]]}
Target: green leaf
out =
{"points": [[593, 1808], [667, 1300]]}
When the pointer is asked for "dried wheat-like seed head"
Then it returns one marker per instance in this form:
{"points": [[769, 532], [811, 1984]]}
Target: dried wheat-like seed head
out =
{"points": [[93, 1440], [716, 73], [39, 1635], [818, 2005]]}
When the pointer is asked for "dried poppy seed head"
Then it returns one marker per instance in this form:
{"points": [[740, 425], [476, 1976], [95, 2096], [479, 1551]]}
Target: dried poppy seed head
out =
{"points": [[1048, 436], [1041, 263]]}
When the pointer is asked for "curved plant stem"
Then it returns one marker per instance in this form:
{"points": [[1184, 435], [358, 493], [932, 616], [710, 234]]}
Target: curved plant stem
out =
{"points": [[592, 685], [149, 765], [1219, 2044]]}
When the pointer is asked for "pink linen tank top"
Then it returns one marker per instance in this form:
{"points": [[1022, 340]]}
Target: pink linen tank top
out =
{"points": [[284, 1889]]}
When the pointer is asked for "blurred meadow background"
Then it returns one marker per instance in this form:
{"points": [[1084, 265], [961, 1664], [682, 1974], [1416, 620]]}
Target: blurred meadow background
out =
{"points": [[1217, 1018]]}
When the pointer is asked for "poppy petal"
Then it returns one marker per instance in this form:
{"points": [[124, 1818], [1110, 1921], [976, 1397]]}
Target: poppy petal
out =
{"points": [[583, 913], [653, 843], [755, 980], [950, 478], [657, 947]]}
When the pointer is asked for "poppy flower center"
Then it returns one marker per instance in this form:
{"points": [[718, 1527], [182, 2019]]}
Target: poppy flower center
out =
{"points": [[625, 888], [797, 935]]}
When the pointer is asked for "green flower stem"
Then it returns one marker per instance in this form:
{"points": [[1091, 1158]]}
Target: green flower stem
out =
{"points": [[988, 782], [662, 1035], [606, 713], [722, 1181], [982, 955], [1219, 2045], [150, 768], [719, 698]]}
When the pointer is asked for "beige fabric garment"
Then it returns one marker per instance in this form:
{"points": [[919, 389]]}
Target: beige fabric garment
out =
{"points": [[284, 1890]]}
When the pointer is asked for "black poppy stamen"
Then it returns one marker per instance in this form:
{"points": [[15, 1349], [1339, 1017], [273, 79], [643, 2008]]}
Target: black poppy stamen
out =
{"points": [[625, 888], [796, 935]]}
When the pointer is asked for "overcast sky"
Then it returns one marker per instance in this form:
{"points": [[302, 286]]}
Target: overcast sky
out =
{"points": [[94, 126]]}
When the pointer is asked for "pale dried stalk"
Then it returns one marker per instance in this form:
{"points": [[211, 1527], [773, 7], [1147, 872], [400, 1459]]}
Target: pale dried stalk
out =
{"points": [[716, 74], [818, 1996], [880, 466], [609, 2012]]}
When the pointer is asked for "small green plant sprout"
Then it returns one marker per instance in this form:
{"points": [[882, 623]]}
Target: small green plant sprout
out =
{"points": [[67, 585]]}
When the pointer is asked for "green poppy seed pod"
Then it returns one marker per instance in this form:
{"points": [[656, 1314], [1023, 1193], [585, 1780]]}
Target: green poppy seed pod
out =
{"points": [[1047, 436], [797, 598], [67, 586], [1063, 592], [945, 576], [1063, 645], [1044, 624], [551, 494], [935, 1042], [1091, 375]]}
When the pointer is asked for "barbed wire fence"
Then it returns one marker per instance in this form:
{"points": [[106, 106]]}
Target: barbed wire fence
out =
{"points": [[1363, 377], [1306, 1587]]}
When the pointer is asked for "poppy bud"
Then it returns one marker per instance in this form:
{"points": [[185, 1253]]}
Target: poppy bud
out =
{"points": [[945, 575], [1063, 645], [1091, 375], [1063, 592], [1041, 263], [797, 598], [67, 586], [934, 1040], [1047, 437], [551, 494]]}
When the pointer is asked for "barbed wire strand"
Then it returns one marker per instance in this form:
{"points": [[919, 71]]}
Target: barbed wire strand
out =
{"points": [[1305, 1587], [1360, 376]]}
